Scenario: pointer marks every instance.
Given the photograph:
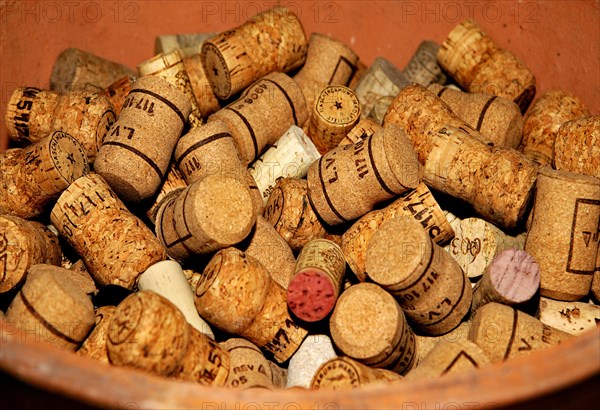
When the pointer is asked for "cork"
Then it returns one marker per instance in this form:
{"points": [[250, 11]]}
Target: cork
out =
{"points": [[209, 149], [289, 157], [237, 295], [457, 357], [423, 68], [418, 203], [116, 93], [166, 279], [79, 70], [31, 177], [497, 181], [236, 58], [427, 283], [477, 242], [52, 307], [211, 214], [343, 373], [366, 127], [503, 332], [114, 256], [572, 317], [207, 101], [425, 343], [563, 237], [368, 325], [289, 211], [279, 374], [499, 119], [187, 44], [204, 361], [94, 345], [249, 367], [172, 184], [262, 113], [24, 244], [349, 181], [595, 290], [512, 278], [316, 284], [136, 154], [33, 114], [361, 69], [577, 147], [312, 353], [380, 109], [83, 278], [544, 118]]}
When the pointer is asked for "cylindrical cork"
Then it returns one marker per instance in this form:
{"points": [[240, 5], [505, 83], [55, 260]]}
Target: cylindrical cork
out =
{"points": [[503, 332], [94, 345], [204, 361], [544, 118], [209, 149], [211, 214], [289, 157], [187, 44], [22, 245], [361, 69], [499, 119], [249, 367], [166, 279], [349, 181], [173, 183], [236, 58], [118, 255], [571, 317], [312, 353], [83, 278], [237, 295], [366, 127], [423, 66], [32, 177], [595, 290], [450, 358], [335, 112], [343, 373], [117, 92], [52, 307], [207, 101], [136, 154], [512, 278], [577, 147], [563, 237], [262, 113], [317, 281], [77, 70], [429, 285], [368, 325], [425, 343]]}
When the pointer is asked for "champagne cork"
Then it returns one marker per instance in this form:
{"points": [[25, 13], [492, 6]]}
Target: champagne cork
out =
{"points": [[361, 69], [115, 245], [497, 181], [83, 278], [497, 118], [349, 181], [204, 362], [478, 65], [236, 58], [577, 147], [595, 290], [426, 344], [312, 353], [477, 242], [22, 245], [262, 113], [563, 237], [116, 93], [503, 332], [249, 368], [343, 373], [289, 157], [428, 284], [237, 295], [279, 375], [32, 177], [366, 127], [166, 279], [207, 101], [512, 278], [52, 307], [572, 317], [289, 211], [94, 346], [211, 214], [335, 112], [380, 109], [316, 284], [32, 114], [544, 118], [173, 183], [369, 326], [136, 154], [450, 358], [78, 70], [423, 66], [187, 44], [209, 149]]}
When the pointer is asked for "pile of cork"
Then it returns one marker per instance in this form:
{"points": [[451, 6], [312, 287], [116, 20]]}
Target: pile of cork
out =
{"points": [[256, 208]]}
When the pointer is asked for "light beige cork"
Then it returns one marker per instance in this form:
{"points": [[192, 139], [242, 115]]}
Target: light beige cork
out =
{"points": [[312, 353], [279, 374], [172, 184], [577, 147], [187, 44], [94, 346], [563, 237], [343, 373], [595, 290], [423, 68], [117, 92], [112, 256], [425, 343], [236, 58], [207, 101], [450, 358], [366, 127], [249, 367], [571, 317], [361, 69], [237, 295]]}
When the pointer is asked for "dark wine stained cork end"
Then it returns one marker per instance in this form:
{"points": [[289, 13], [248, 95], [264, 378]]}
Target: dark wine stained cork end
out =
{"points": [[515, 275], [311, 295]]}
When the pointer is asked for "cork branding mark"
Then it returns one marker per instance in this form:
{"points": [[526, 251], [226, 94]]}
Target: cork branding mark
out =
{"points": [[147, 105], [419, 209], [68, 157], [22, 111], [124, 324], [342, 65], [584, 237], [462, 356], [193, 164], [274, 211], [283, 339], [329, 163], [81, 207], [337, 372], [104, 126], [209, 275], [3, 256]]}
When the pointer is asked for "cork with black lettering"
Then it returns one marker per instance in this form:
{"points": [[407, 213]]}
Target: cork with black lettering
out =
{"points": [[343, 373], [249, 367], [577, 147]]}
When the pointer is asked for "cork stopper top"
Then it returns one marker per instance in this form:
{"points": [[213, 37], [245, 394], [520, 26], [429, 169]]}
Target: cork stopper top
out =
{"points": [[401, 156], [515, 275], [337, 105], [159, 62], [68, 157]]}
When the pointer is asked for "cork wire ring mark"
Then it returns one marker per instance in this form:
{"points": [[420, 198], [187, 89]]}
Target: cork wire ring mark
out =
{"points": [[250, 129], [287, 97], [326, 195], [44, 322], [199, 144]]}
